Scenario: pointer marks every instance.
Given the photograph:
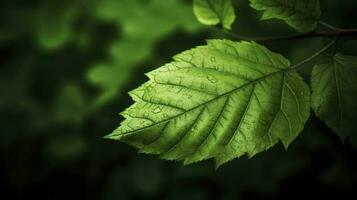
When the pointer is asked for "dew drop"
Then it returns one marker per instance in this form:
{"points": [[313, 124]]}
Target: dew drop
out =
{"points": [[157, 110], [213, 59], [211, 79]]}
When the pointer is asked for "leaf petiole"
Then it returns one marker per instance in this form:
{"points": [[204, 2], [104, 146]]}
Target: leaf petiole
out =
{"points": [[327, 46]]}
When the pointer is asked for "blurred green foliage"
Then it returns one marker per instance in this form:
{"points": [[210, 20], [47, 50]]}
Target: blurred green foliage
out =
{"points": [[142, 23], [65, 68]]}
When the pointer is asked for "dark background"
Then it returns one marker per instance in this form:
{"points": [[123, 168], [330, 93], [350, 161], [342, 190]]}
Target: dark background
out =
{"points": [[65, 69]]}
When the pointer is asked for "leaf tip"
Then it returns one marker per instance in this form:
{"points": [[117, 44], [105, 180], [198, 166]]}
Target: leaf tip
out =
{"points": [[109, 136], [285, 144]]}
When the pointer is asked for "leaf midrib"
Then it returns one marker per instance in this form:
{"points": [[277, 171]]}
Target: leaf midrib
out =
{"points": [[337, 83], [283, 71]]}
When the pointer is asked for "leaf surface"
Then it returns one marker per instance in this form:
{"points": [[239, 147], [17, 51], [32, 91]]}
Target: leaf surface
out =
{"points": [[334, 92], [302, 15], [213, 12], [220, 101]]}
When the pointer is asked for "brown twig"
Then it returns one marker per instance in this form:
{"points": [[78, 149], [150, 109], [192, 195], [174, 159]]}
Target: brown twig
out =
{"points": [[336, 33]]}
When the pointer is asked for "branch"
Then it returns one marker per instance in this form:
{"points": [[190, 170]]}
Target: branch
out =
{"points": [[336, 33]]}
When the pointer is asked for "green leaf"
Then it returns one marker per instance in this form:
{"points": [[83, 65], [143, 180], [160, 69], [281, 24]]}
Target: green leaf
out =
{"points": [[213, 12], [221, 101], [302, 15], [334, 92]]}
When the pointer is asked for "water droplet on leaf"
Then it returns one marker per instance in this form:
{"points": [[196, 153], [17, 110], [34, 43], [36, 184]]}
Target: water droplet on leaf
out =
{"points": [[211, 79], [157, 110]]}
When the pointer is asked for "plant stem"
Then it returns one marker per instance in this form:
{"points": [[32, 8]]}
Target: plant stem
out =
{"points": [[334, 34], [329, 26], [327, 46]]}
